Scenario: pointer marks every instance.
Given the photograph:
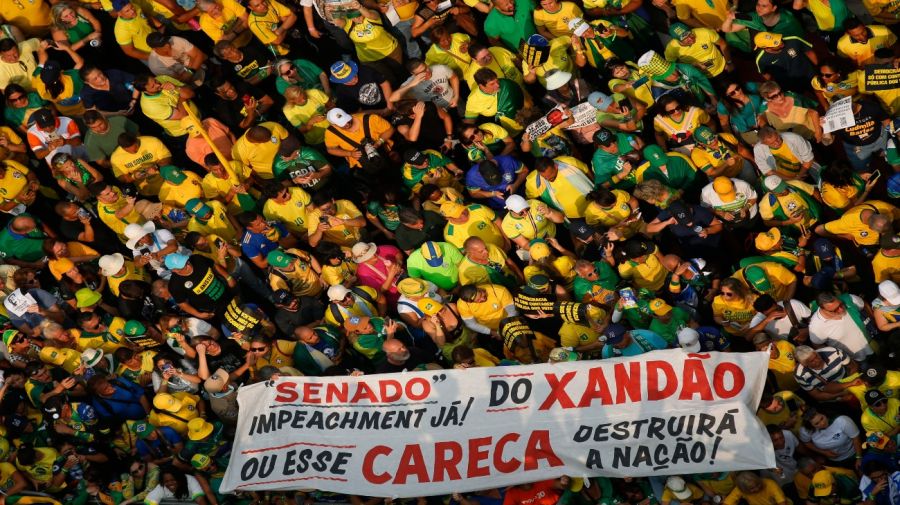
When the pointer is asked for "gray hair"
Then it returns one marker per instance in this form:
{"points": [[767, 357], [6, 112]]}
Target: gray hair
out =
{"points": [[803, 352]]}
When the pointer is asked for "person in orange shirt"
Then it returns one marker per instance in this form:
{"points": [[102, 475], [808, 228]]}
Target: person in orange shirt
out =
{"points": [[545, 492]]}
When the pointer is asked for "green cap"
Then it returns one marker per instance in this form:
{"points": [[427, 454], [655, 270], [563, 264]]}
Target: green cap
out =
{"points": [[655, 155], [142, 429], [8, 335], [197, 207], [757, 279], [278, 259], [172, 174], [539, 282], [704, 135], [135, 328], [679, 31]]}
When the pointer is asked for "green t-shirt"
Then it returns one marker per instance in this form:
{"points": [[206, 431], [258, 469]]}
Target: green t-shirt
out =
{"points": [[414, 175], [511, 30], [679, 172], [101, 146], [669, 331], [307, 161], [28, 247], [308, 73], [607, 165], [607, 279], [388, 214], [444, 276]]}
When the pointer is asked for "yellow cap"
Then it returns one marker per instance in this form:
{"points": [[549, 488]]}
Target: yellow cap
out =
{"points": [[724, 188], [539, 251], [167, 402], [767, 40], [822, 483], [452, 210], [659, 307], [766, 241], [429, 307]]}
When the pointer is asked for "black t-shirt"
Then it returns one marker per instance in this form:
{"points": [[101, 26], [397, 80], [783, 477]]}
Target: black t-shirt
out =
{"points": [[255, 57], [702, 217], [868, 125], [790, 66], [231, 112], [204, 289], [364, 95], [104, 240], [229, 358], [117, 98], [409, 239], [431, 132], [417, 357]]}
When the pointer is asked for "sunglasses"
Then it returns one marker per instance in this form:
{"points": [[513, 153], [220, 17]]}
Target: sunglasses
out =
{"points": [[775, 95], [828, 74], [257, 349], [137, 470], [727, 293], [18, 339], [38, 372], [18, 98], [673, 111]]}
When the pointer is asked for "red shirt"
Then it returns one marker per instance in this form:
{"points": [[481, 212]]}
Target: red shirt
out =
{"points": [[540, 493]]}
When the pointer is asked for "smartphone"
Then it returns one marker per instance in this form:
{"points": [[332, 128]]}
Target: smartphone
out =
{"points": [[83, 214], [220, 243], [875, 175], [323, 219], [166, 367], [629, 299]]}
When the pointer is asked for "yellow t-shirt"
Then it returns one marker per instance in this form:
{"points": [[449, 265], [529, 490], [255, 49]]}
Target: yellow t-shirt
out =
{"points": [[558, 59], [650, 274], [263, 26], [851, 224], [576, 335], [456, 57], [75, 249], [557, 23], [620, 211], [886, 267], [890, 387], [133, 32], [188, 411], [736, 313], [13, 181], [333, 275], [889, 98], [838, 197], [779, 277], [291, 213], [32, 17], [783, 366], [132, 272], [709, 12], [341, 234], [302, 281], [216, 188], [573, 202], [299, 115], [863, 54], [107, 214], [217, 224], [177, 195], [848, 87], [480, 224], [476, 273], [216, 28], [770, 493], [20, 72], [151, 151], [372, 41], [490, 312], [503, 64], [260, 157], [533, 225], [160, 107], [884, 423], [690, 120], [704, 53], [779, 418]]}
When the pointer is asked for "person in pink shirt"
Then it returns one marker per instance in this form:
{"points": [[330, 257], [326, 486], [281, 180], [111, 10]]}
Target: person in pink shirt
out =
{"points": [[380, 267]]}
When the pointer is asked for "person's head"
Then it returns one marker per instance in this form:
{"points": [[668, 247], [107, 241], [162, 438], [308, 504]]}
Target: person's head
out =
{"points": [[814, 420], [670, 106], [770, 137], [146, 83], [857, 30], [258, 6], [441, 36], [830, 72], [683, 34], [476, 249], [472, 294], [507, 7], [160, 44], [211, 7], [63, 16], [547, 168], [838, 173], [463, 356], [877, 401], [307, 335], [766, 7], [617, 68], [749, 483], [127, 10], [768, 41], [226, 50], [16, 96], [733, 290], [252, 221], [877, 471], [44, 119], [830, 305], [175, 481], [487, 80], [258, 134], [9, 51], [100, 386], [295, 95], [776, 434], [259, 345], [417, 67], [771, 91], [324, 202], [808, 357], [96, 122], [395, 351], [225, 90]]}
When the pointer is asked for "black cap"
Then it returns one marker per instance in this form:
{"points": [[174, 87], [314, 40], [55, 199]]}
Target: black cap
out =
{"points": [[51, 72], [44, 118], [414, 157], [283, 297], [873, 375], [604, 137], [874, 396], [156, 40], [581, 230]]}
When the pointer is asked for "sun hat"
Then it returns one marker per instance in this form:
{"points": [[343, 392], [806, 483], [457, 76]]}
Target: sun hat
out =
{"points": [[176, 261], [111, 264], [363, 251], [199, 428], [135, 232]]}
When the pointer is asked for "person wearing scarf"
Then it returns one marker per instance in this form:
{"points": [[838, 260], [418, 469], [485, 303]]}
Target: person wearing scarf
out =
{"points": [[562, 183], [495, 98]]}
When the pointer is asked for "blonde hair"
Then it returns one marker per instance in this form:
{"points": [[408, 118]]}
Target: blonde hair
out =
{"points": [[56, 13]]}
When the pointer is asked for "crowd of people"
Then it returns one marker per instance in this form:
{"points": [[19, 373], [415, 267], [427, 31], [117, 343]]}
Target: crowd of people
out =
{"points": [[199, 195]]}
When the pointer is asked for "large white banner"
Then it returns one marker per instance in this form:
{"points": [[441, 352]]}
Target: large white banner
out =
{"points": [[430, 433]]}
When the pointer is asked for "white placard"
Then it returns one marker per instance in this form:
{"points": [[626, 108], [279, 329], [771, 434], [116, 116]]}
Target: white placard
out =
{"points": [[839, 115], [17, 303]]}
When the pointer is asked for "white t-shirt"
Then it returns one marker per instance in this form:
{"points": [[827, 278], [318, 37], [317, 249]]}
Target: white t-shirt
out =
{"points": [[837, 437], [174, 64], [158, 241], [160, 492], [841, 333], [742, 193], [437, 89], [784, 458], [781, 328]]}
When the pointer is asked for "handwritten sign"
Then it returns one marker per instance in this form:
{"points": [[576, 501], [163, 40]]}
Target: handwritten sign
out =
{"points": [[433, 433]]}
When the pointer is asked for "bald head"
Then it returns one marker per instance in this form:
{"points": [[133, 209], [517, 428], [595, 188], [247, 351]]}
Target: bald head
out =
{"points": [[880, 223], [395, 350], [23, 225]]}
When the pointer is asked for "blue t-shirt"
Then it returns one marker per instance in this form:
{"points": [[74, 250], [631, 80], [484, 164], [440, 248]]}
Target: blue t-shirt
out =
{"points": [[641, 341], [711, 339], [156, 448], [260, 244], [124, 404], [509, 167]]}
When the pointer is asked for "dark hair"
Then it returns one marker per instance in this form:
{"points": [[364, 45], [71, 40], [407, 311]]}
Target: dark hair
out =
{"points": [[271, 189], [123, 354], [92, 116], [413, 63], [245, 218], [475, 48], [211, 160], [490, 172], [329, 250], [427, 190], [763, 303], [126, 139], [97, 187], [320, 198], [544, 164], [853, 22], [838, 173], [602, 197], [181, 489], [462, 352], [484, 76], [467, 293], [12, 88], [140, 82], [773, 428], [408, 215], [7, 44], [665, 100], [870, 466], [25, 454], [191, 239], [87, 69]]}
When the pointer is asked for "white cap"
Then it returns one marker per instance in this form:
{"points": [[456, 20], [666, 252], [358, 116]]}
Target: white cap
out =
{"points": [[135, 232], [557, 79], [689, 340], [337, 292], [516, 203], [338, 117], [645, 58], [890, 292], [679, 488], [91, 357], [578, 26], [111, 264], [771, 182]]}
